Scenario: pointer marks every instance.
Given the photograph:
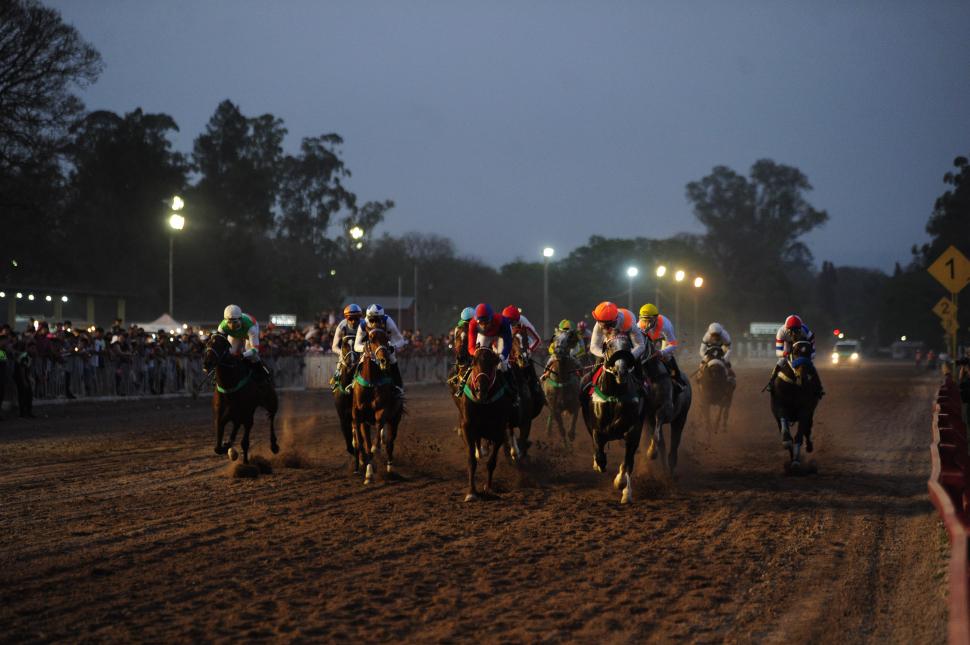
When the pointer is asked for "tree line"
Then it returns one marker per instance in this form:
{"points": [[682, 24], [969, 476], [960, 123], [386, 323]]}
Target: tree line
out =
{"points": [[85, 198]]}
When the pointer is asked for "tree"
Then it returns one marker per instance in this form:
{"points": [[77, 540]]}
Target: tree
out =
{"points": [[950, 221], [754, 226], [41, 61]]}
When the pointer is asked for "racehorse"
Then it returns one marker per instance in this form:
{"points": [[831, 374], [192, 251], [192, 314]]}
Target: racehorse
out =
{"points": [[715, 389], [794, 396], [614, 412], [667, 404], [376, 401], [240, 389], [561, 387], [531, 398], [343, 396], [485, 408]]}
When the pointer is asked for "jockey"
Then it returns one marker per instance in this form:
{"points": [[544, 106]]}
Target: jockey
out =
{"points": [[660, 330], [716, 337], [377, 319], [243, 332], [521, 324], [346, 331], [610, 323], [572, 338], [459, 336], [793, 331], [489, 329]]}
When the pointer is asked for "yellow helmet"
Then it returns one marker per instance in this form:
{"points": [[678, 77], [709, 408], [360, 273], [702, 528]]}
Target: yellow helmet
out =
{"points": [[649, 309], [565, 324]]}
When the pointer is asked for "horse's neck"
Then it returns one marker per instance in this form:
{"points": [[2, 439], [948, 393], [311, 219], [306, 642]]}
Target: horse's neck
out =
{"points": [[229, 374]]}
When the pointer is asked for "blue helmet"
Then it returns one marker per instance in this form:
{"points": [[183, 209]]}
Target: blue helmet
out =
{"points": [[467, 313]]}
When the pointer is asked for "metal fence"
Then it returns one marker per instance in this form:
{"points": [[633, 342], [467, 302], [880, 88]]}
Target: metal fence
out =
{"points": [[80, 377]]}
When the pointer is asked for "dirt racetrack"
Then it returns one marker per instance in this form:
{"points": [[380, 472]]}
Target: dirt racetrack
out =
{"points": [[119, 524]]}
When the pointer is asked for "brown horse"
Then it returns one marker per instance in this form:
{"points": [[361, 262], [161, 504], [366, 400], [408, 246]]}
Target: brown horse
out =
{"points": [[561, 387], [376, 402], [239, 391], [485, 407], [614, 412], [343, 396], [715, 389]]}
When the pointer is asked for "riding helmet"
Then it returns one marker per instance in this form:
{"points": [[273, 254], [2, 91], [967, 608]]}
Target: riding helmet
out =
{"points": [[605, 311], [512, 312]]}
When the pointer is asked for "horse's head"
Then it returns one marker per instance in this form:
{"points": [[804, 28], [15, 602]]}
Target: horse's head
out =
{"points": [[619, 363], [217, 348], [714, 353], [520, 349], [484, 365], [377, 343]]}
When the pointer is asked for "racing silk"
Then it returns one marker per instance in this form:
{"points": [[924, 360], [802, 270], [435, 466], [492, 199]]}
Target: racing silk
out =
{"points": [[247, 334], [497, 334], [716, 340], [394, 337], [661, 334], [602, 335], [344, 330], [783, 341], [459, 342], [531, 335]]}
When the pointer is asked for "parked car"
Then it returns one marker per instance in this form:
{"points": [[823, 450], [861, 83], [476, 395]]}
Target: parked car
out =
{"points": [[847, 352]]}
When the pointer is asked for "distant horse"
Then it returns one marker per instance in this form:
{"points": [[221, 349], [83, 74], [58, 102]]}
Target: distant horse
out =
{"points": [[343, 396], [794, 397], [486, 408], [531, 398], [715, 389], [240, 389], [668, 404], [614, 412], [561, 387], [376, 402]]}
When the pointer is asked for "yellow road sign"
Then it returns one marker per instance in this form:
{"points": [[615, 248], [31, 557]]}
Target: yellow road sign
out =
{"points": [[945, 309], [951, 269], [950, 325]]}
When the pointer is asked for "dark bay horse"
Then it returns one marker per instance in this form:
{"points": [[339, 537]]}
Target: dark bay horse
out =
{"points": [[794, 397], [239, 391], [376, 402], [668, 404], [715, 389], [561, 387], [614, 413], [531, 398], [485, 407], [343, 396]]}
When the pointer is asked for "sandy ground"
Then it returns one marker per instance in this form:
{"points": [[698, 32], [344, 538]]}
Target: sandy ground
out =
{"points": [[119, 524]]}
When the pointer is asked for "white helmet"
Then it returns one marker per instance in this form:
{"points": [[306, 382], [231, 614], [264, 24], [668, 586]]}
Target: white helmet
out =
{"points": [[715, 328], [375, 310], [232, 311]]}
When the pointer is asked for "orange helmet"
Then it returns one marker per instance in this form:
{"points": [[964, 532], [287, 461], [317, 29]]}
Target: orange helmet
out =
{"points": [[628, 319], [605, 311]]}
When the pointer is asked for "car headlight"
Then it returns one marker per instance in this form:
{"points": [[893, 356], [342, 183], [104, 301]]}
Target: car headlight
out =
{"points": [[854, 357], [835, 357]]}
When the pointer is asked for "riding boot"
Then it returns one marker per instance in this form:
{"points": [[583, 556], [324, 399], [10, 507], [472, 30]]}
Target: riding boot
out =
{"points": [[675, 372], [396, 376], [462, 381]]}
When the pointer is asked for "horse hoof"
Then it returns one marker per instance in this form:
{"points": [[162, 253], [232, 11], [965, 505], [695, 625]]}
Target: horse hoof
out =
{"points": [[221, 450], [233, 454], [369, 474], [596, 466], [390, 469], [471, 497], [618, 481], [627, 497]]}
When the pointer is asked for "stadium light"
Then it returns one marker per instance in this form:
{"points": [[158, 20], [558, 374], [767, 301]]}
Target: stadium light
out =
{"points": [[661, 271], [356, 233], [3, 294], [698, 282], [63, 298], [48, 298], [547, 253], [631, 272], [177, 203], [30, 296], [176, 222], [680, 275], [902, 338]]}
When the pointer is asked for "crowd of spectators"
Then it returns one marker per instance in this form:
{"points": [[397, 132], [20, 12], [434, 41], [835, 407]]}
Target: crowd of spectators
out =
{"points": [[52, 359]]}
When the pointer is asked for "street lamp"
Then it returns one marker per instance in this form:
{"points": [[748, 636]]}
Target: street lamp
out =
{"points": [[176, 222], [547, 253], [631, 272], [679, 276], [356, 233], [661, 272], [698, 283]]}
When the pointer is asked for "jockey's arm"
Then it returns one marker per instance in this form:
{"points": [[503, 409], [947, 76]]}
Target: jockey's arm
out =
{"points": [[472, 336], [781, 343], [670, 339], [338, 336], [639, 344], [727, 351], [360, 341], [252, 338], [597, 341], [503, 344], [394, 335], [531, 332]]}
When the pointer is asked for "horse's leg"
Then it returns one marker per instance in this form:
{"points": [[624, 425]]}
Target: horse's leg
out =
{"points": [[599, 454], [471, 445], [364, 445], [247, 427], [490, 465], [389, 439], [626, 483], [233, 453], [272, 407], [219, 420]]}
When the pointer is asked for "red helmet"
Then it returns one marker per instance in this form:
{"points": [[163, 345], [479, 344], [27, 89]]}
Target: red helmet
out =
{"points": [[582, 325], [605, 311], [793, 322], [512, 312], [484, 311]]}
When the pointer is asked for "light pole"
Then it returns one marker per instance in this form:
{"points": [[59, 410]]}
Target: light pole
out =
{"points": [[661, 272], [678, 278], [698, 283], [546, 254], [631, 272], [176, 222]]}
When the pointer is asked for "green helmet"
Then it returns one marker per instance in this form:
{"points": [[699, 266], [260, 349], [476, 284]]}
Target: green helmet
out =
{"points": [[565, 325]]}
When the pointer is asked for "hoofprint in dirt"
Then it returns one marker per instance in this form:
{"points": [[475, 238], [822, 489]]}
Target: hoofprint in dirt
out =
{"points": [[120, 524]]}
